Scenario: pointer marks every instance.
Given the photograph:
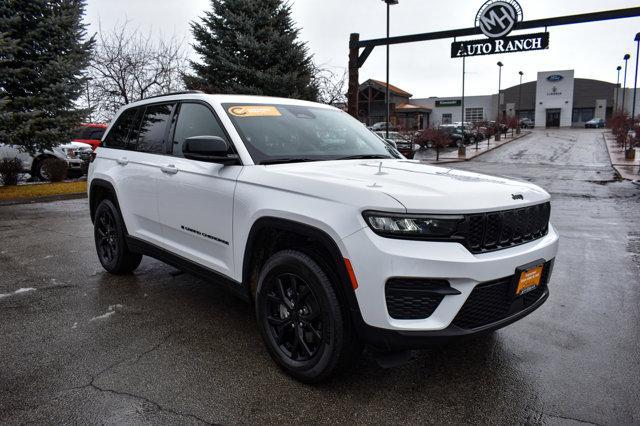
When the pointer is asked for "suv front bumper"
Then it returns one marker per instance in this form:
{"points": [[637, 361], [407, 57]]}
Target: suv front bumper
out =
{"points": [[376, 259]]}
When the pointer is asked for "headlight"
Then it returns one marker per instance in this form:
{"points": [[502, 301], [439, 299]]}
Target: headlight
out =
{"points": [[69, 152], [413, 226]]}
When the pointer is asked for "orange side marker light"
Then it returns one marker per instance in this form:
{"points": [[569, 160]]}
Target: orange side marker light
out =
{"points": [[352, 275]]}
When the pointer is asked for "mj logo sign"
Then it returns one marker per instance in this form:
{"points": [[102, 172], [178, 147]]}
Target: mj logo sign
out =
{"points": [[496, 18]]}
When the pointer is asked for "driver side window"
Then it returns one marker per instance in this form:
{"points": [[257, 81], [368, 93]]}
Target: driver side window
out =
{"points": [[195, 120]]}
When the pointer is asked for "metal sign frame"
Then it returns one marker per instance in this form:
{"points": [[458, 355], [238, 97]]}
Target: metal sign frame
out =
{"points": [[357, 59]]}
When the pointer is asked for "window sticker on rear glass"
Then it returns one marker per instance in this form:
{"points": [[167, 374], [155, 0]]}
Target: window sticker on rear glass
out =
{"points": [[254, 111]]}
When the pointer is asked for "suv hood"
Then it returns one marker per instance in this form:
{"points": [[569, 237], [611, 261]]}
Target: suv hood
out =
{"points": [[418, 187]]}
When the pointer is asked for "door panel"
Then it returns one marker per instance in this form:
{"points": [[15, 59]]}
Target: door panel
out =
{"points": [[196, 197], [196, 211], [136, 147]]}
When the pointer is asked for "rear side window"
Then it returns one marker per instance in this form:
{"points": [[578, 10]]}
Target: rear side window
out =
{"points": [[153, 129], [118, 136], [94, 133], [195, 120]]}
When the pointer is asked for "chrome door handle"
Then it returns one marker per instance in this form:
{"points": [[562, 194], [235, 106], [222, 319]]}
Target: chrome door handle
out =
{"points": [[170, 169], [122, 161]]}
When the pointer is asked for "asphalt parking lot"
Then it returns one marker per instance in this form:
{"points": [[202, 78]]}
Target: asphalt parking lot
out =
{"points": [[80, 346]]}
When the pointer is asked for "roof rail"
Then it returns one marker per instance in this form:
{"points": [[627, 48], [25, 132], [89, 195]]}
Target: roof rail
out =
{"points": [[184, 92]]}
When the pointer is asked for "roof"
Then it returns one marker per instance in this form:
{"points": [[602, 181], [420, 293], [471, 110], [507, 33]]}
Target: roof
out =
{"points": [[392, 88], [411, 107], [220, 99]]}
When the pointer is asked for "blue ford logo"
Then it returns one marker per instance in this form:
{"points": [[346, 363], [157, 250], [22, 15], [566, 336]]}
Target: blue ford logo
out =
{"points": [[555, 77]]}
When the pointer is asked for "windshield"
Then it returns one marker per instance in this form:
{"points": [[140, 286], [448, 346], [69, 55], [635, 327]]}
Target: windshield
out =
{"points": [[278, 133]]}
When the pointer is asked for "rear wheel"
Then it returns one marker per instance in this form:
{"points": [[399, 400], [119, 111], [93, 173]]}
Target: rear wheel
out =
{"points": [[39, 171], [301, 320], [109, 235]]}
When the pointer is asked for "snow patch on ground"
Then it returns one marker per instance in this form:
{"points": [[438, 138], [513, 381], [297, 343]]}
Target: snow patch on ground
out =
{"points": [[18, 291], [110, 311]]}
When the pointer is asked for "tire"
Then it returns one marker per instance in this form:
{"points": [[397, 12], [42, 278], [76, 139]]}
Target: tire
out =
{"points": [[429, 144], [38, 170], [302, 323], [472, 140], [111, 246]]}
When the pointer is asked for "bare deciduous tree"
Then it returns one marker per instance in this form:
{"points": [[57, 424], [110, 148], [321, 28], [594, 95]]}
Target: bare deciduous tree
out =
{"points": [[128, 66], [332, 87]]}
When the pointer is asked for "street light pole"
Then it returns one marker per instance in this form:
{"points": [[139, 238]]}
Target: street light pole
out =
{"points": [[519, 108], [500, 65], [389, 3], [635, 82], [615, 108], [624, 88], [498, 130], [624, 95], [464, 64]]}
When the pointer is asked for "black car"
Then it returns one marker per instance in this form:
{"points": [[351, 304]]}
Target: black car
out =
{"points": [[503, 127], [527, 123], [595, 123], [461, 135], [401, 143]]}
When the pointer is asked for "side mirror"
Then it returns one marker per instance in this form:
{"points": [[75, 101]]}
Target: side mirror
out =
{"points": [[213, 149]]}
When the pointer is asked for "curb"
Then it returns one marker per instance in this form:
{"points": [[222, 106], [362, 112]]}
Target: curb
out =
{"points": [[46, 199], [462, 160], [615, 166]]}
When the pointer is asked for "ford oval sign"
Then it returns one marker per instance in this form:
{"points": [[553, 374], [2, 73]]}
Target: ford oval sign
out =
{"points": [[554, 78], [496, 18]]}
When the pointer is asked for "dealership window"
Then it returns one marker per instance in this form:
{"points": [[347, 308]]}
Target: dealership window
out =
{"points": [[582, 115], [474, 114], [527, 113], [447, 119]]}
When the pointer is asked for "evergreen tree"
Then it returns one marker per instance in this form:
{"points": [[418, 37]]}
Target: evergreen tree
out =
{"points": [[43, 51], [251, 47]]}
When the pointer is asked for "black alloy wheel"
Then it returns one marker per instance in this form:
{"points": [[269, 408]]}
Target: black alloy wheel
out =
{"points": [[301, 319], [293, 316], [109, 234], [106, 242]]}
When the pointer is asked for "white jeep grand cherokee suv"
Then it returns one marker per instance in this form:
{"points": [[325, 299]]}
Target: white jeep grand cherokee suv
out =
{"points": [[334, 237]]}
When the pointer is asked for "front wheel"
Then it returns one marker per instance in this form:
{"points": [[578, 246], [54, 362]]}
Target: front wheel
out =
{"points": [[301, 319], [109, 235]]}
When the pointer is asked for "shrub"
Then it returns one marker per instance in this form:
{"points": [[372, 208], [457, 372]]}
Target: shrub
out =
{"points": [[10, 168], [434, 137], [620, 127], [55, 169]]}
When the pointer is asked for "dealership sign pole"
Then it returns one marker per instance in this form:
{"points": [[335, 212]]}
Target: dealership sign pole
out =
{"points": [[498, 18]]}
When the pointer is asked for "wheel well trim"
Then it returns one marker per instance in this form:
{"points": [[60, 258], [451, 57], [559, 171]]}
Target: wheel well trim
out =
{"points": [[270, 222], [104, 184]]}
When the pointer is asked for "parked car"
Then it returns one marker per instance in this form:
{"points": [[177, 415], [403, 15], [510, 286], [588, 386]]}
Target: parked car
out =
{"points": [[503, 127], [383, 126], [400, 142], [335, 240], [596, 123], [90, 133], [76, 154], [460, 135], [527, 123]]}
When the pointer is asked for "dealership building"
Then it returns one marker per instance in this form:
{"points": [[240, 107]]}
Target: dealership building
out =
{"points": [[555, 99]]}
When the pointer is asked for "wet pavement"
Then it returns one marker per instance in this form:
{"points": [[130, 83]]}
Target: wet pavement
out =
{"points": [[163, 347]]}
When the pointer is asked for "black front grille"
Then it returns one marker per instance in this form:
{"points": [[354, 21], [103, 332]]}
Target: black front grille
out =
{"points": [[497, 230], [409, 298], [492, 301]]}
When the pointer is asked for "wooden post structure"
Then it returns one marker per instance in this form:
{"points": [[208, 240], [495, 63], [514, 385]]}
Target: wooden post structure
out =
{"points": [[352, 91]]}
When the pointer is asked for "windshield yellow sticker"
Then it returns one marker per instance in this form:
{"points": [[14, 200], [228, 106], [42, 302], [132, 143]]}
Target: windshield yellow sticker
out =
{"points": [[254, 111]]}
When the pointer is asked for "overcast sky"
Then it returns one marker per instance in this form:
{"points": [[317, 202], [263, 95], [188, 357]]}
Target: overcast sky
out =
{"points": [[425, 68]]}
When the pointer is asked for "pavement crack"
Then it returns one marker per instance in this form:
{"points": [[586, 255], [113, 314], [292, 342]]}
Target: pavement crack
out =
{"points": [[95, 378], [149, 401], [557, 416]]}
